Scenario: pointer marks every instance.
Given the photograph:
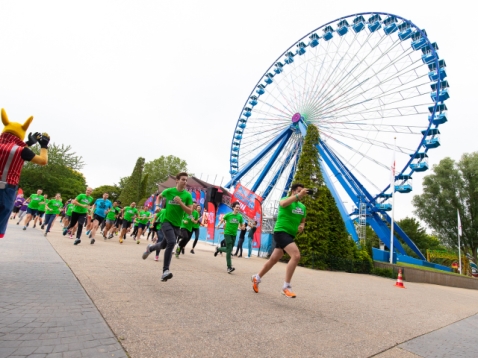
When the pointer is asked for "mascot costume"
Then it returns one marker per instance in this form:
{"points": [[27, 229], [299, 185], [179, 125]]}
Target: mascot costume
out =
{"points": [[13, 152]]}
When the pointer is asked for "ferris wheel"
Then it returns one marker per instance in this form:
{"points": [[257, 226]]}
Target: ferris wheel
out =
{"points": [[363, 80]]}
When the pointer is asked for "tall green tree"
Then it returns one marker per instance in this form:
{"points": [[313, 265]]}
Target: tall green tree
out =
{"points": [[61, 175], [159, 170], [418, 234], [132, 186], [325, 231], [452, 186]]}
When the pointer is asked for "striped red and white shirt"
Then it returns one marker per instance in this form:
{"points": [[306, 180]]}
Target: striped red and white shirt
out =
{"points": [[7, 142]]}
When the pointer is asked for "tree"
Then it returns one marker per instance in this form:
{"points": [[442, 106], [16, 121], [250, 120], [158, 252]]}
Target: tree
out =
{"points": [[325, 232], [452, 186], [113, 191], [160, 169], [424, 241], [61, 175], [132, 186]]}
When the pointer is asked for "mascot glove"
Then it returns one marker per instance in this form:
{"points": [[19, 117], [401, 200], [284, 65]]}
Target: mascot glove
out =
{"points": [[44, 140], [33, 138]]}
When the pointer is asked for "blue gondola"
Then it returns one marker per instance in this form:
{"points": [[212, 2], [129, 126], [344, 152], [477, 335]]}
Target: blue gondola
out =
{"points": [[253, 101], [403, 183], [383, 207], [314, 40], [328, 33], [432, 139], [420, 162], [260, 89]]}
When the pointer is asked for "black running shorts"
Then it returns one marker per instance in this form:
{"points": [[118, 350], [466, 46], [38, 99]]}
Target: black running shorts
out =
{"points": [[282, 239], [126, 224], [99, 218]]}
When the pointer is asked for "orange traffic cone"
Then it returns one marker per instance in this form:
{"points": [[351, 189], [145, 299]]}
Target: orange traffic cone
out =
{"points": [[399, 282]]}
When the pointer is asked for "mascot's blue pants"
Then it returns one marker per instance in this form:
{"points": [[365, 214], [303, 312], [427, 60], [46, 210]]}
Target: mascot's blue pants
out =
{"points": [[7, 199]]}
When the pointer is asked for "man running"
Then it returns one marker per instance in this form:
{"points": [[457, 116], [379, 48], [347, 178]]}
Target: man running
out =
{"points": [[129, 214], [143, 222], [100, 207], [41, 212], [250, 238], [111, 216], [32, 208], [17, 205], [178, 201], [196, 226], [52, 209], [185, 233], [232, 222], [242, 237], [78, 215], [290, 220]]}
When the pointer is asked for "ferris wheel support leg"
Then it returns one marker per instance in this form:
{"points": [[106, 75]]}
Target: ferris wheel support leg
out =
{"points": [[349, 225], [405, 237], [383, 232]]}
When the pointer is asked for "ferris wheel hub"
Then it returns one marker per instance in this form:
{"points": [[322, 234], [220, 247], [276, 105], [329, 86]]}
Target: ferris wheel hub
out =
{"points": [[297, 117]]}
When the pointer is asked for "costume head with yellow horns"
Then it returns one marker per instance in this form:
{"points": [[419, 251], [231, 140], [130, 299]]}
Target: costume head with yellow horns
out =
{"points": [[13, 153]]}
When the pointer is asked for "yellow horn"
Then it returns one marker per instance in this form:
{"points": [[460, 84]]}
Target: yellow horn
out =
{"points": [[5, 120], [27, 123]]}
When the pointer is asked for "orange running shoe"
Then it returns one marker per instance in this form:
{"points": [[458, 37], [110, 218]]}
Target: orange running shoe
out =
{"points": [[288, 293], [120, 241], [255, 283]]}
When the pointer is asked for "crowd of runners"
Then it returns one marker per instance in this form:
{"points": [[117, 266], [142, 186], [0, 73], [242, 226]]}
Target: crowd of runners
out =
{"points": [[170, 228]]}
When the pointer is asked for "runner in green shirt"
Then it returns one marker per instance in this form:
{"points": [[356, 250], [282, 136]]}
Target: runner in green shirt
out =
{"points": [[232, 222], [82, 204], [53, 208], [111, 216], [187, 228], [157, 221], [290, 221], [196, 227], [32, 208], [129, 213], [177, 202], [41, 212], [143, 220]]}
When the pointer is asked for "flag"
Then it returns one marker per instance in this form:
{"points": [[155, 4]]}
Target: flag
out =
{"points": [[460, 233]]}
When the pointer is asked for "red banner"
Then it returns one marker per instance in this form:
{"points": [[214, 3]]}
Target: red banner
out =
{"points": [[211, 220], [250, 204]]}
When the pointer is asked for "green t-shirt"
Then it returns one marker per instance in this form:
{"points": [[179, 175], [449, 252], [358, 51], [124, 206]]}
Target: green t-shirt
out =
{"points": [[129, 212], [232, 223], [289, 218], [144, 217], [42, 205], [54, 206], [35, 199], [196, 217], [159, 219], [84, 200], [174, 212], [187, 223], [113, 212], [69, 209]]}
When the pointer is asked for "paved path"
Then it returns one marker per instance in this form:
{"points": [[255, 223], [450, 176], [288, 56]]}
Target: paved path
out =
{"points": [[44, 311], [204, 312]]}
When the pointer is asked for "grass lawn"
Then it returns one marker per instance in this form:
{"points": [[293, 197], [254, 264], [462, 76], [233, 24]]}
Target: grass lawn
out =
{"points": [[427, 269]]}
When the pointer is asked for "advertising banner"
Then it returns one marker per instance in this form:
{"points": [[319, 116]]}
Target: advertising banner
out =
{"points": [[251, 206], [211, 220]]}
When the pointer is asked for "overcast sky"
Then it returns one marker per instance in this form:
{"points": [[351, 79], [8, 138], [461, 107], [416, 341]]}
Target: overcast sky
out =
{"points": [[117, 80]]}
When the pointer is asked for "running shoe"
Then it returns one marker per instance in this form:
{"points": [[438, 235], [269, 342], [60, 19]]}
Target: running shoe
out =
{"points": [[156, 258], [255, 283], [111, 236], [192, 251], [90, 236], [24, 228], [92, 241], [43, 226], [34, 225], [288, 293], [88, 232], [147, 252], [77, 241], [178, 251], [137, 241], [18, 223], [65, 230], [166, 276], [217, 251], [120, 241], [71, 236], [247, 257], [230, 269], [45, 234], [182, 251]]}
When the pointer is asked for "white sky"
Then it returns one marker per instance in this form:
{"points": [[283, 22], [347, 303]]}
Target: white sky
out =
{"points": [[122, 79]]}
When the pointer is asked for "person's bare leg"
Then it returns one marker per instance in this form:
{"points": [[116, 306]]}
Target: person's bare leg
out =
{"points": [[94, 228], [275, 257], [294, 254]]}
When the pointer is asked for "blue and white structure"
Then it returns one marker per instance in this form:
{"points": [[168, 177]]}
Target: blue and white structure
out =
{"points": [[362, 80]]}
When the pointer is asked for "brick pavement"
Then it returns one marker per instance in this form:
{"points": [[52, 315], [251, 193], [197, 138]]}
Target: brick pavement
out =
{"points": [[44, 311]]}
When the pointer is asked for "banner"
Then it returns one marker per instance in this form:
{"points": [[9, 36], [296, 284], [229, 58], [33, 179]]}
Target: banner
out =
{"points": [[221, 211], [149, 202], [251, 206], [203, 197], [211, 220]]}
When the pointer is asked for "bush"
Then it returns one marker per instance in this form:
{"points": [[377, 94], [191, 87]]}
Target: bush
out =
{"points": [[383, 272]]}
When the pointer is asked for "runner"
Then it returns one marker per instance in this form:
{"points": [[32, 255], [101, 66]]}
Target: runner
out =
{"points": [[23, 210], [129, 214], [135, 228], [159, 219], [41, 212], [290, 220], [143, 221], [242, 237], [68, 210], [232, 222], [178, 201], [99, 209], [196, 226], [78, 215], [117, 224], [250, 238], [32, 208], [111, 216], [187, 228], [52, 207], [17, 205]]}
